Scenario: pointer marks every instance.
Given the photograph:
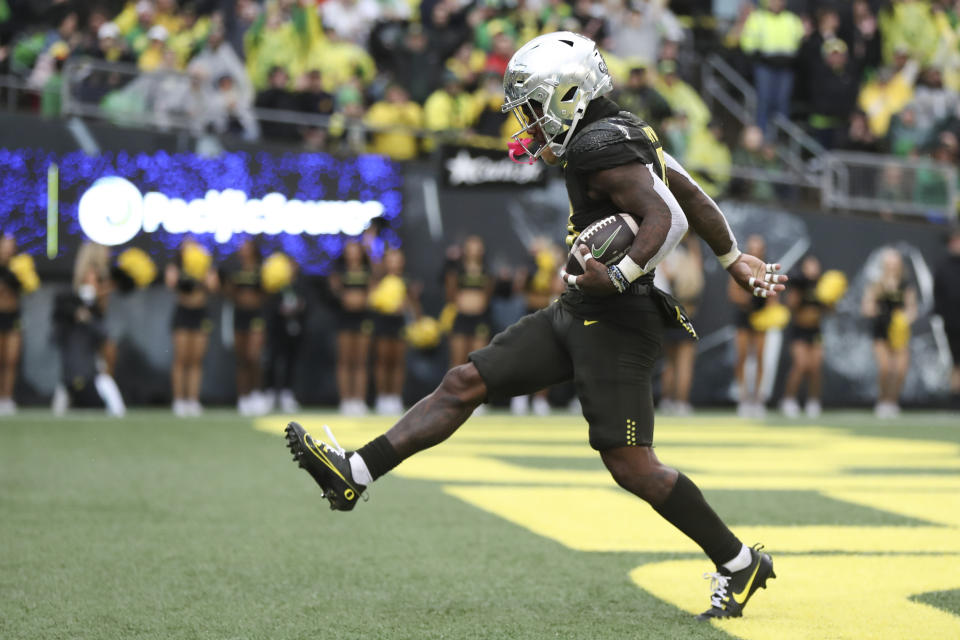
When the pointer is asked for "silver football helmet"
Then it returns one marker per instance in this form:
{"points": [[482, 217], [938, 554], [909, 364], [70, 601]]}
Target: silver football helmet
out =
{"points": [[548, 84]]}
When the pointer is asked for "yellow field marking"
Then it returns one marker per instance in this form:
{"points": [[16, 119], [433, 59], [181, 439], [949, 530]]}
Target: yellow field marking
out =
{"points": [[816, 596], [941, 506], [593, 519], [836, 597]]}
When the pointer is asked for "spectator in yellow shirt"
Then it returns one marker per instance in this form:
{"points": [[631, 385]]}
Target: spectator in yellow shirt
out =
{"points": [[886, 94], [399, 117], [772, 37], [449, 110], [152, 57], [680, 95]]}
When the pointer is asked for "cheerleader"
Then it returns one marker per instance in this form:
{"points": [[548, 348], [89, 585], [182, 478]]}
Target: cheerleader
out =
{"points": [[891, 305], [393, 301], [808, 302], [683, 272], [748, 340], [193, 279], [80, 335], [351, 287], [244, 287], [17, 277], [469, 287], [288, 310], [541, 286]]}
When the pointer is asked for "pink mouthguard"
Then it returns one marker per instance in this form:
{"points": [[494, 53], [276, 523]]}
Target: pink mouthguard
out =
{"points": [[516, 148]]}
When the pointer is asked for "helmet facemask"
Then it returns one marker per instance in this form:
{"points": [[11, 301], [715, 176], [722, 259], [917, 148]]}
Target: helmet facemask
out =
{"points": [[539, 128]]}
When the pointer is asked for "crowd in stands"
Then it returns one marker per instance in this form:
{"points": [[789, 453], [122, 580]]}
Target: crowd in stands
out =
{"points": [[378, 75]]}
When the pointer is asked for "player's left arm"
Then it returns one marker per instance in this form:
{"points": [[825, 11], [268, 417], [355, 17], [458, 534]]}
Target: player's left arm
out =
{"points": [[635, 190], [749, 272]]}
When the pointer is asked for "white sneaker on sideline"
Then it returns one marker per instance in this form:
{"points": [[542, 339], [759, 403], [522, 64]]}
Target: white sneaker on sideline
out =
{"points": [[520, 405], [682, 409], [575, 407], [885, 410], [180, 409], [8, 407], [288, 402], [194, 408], [813, 409], [540, 406], [790, 408], [758, 411], [61, 400], [667, 406]]}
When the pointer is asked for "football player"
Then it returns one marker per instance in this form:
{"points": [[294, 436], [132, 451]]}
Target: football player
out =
{"points": [[605, 331]]}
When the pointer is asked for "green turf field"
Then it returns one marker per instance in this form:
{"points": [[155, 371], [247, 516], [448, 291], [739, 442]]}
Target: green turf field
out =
{"points": [[152, 527]]}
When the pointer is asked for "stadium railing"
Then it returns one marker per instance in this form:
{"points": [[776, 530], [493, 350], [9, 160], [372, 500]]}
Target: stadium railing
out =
{"points": [[889, 185], [13, 92]]}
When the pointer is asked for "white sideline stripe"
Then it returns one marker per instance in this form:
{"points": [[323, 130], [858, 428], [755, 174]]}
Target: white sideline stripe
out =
{"points": [[431, 205]]}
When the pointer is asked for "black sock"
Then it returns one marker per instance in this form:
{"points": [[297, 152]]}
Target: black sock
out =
{"points": [[380, 456], [686, 509]]}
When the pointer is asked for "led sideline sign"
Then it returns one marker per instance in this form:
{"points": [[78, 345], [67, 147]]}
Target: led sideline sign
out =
{"points": [[306, 204]]}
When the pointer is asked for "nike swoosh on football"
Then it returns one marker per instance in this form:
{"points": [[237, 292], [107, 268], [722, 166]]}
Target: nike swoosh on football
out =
{"points": [[603, 247], [587, 323]]}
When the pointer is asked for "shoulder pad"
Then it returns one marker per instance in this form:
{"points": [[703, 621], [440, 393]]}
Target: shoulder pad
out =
{"points": [[597, 135]]}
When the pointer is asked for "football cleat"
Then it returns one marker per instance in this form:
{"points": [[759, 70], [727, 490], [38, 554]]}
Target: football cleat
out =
{"points": [[731, 591], [328, 466]]}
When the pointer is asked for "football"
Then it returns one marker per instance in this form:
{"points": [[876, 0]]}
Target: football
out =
{"points": [[608, 240]]}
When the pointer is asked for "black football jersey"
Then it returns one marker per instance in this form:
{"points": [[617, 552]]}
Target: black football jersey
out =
{"points": [[607, 138], [612, 140]]}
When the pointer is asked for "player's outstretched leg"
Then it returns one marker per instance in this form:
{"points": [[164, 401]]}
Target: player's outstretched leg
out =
{"points": [[740, 569], [344, 475]]}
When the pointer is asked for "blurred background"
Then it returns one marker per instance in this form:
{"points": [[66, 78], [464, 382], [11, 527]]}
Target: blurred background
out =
{"points": [[278, 203]]}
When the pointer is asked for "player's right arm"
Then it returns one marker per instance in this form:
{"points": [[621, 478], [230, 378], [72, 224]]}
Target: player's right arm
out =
{"points": [[634, 189], [703, 214]]}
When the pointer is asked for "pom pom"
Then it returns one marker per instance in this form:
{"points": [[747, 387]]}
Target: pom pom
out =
{"points": [[772, 316], [138, 265], [22, 266], [898, 332], [425, 333], [831, 286], [196, 261], [389, 295], [276, 272], [447, 317], [547, 266]]}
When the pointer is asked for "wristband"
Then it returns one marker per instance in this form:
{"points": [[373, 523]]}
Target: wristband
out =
{"points": [[729, 257], [630, 269], [617, 278]]}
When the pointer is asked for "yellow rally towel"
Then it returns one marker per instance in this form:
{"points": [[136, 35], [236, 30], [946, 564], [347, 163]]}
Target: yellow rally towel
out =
{"points": [[22, 266], [276, 272], [772, 316], [389, 295], [898, 333], [137, 264], [424, 333], [196, 261], [831, 286]]}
